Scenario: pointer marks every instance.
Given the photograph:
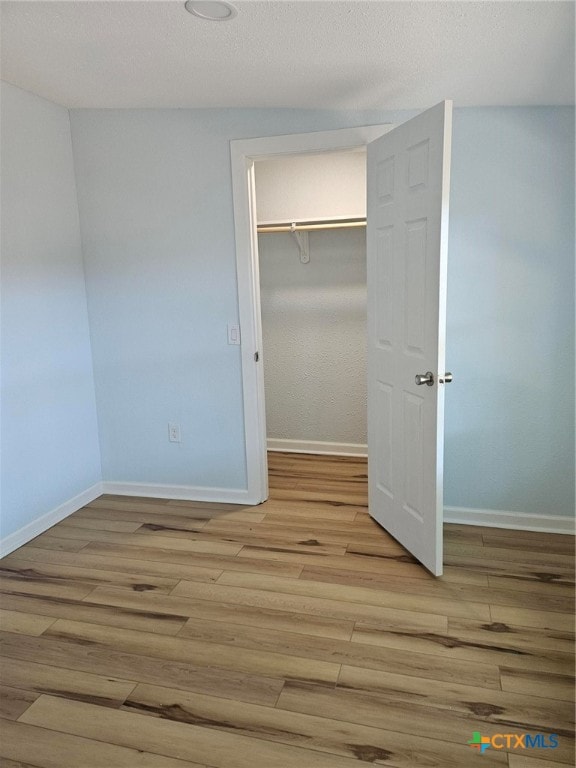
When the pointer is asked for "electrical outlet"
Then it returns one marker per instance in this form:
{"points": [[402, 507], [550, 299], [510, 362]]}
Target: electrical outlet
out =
{"points": [[174, 432]]}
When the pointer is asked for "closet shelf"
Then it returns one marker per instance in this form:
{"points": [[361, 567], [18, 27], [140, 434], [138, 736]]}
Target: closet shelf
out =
{"points": [[310, 226]]}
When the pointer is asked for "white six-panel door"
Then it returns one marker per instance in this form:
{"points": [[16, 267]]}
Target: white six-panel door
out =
{"points": [[407, 236]]}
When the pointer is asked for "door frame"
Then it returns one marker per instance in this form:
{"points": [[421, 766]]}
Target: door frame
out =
{"points": [[244, 153]]}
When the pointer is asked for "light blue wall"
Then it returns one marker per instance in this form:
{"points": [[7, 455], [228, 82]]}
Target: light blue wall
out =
{"points": [[50, 449], [510, 410], [157, 223], [155, 197]]}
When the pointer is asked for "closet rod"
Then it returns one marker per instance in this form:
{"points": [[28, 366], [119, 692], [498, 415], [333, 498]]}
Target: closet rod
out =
{"points": [[308, 226]]}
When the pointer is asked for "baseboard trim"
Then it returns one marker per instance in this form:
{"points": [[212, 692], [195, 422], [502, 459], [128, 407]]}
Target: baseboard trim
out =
{"points": [[519, 521], [318, 447], [36, 527], [181, 492], [491, 518]]}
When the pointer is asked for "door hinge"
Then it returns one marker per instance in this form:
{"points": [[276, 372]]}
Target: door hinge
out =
{"points": [[256, 356]]}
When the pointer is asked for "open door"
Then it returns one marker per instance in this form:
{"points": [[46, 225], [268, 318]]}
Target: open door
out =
{"points": [[407, 243]]}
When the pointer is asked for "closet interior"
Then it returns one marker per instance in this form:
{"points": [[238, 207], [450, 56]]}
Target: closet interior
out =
{"points": [[311, 223]]}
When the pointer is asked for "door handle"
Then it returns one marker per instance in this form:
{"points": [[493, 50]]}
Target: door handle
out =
{"points": [[425, 378], [428, 378]]}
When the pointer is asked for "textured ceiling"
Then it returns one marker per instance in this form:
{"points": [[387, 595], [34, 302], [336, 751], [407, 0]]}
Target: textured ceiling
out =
{"points": [[339, 54]]}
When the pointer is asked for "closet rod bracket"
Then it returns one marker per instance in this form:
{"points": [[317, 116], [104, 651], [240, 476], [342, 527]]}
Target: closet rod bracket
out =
{"points": [[303, 244]]}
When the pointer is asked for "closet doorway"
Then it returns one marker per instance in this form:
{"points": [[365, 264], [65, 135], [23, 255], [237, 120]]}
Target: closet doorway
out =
{"points": [[407, 227], [311, 217]]}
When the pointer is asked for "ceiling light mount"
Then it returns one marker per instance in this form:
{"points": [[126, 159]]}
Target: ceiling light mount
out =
{"points": [[211, 10]]}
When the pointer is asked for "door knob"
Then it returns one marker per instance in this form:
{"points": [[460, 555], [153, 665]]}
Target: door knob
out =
{"points": [[425, 378], [446, 379]]}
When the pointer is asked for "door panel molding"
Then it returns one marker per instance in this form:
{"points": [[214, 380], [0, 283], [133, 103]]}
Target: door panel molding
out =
{"points": [[408, 172]]}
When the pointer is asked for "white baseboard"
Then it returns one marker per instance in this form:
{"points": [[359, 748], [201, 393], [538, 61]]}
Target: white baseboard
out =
{"points": [[519, 521], [461, 515], [181, 492], [36, 527], [315, 446]]}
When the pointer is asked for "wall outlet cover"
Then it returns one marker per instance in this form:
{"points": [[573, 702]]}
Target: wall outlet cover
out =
{"points": [[174, 432]]}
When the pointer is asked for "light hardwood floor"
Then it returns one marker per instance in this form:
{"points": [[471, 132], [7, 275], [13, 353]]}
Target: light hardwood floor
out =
{"points": [[143, 633]]}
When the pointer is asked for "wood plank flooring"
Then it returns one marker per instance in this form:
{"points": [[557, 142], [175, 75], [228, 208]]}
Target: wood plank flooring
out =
{"points": [[146, 633]]}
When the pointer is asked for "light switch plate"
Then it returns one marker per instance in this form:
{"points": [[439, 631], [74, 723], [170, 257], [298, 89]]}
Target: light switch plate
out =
{"points": [[233, 333]]}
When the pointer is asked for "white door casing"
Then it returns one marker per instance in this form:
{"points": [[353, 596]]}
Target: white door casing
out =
{"points": [[244, 152], [407, 245]]}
